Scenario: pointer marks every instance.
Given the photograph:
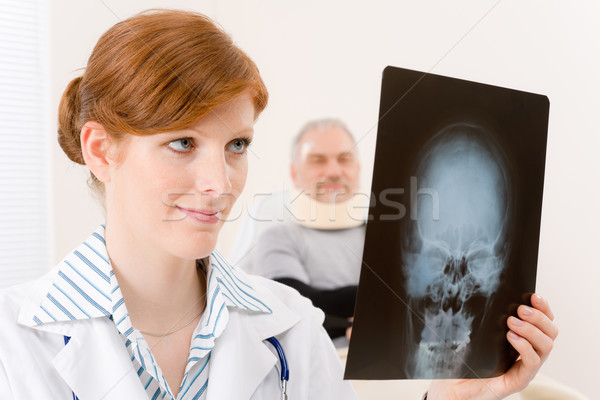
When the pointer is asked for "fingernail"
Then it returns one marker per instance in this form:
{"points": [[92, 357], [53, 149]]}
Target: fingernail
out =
{"points": [[538, 299], [513, 335], [516, 321], [526, 310]]}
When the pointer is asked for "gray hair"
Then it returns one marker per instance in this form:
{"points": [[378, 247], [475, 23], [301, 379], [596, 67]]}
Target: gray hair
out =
{"points": [[318, 124]]}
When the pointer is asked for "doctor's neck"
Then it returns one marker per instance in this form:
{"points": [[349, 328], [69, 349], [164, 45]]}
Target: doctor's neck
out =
{"points": [[159, 289]]}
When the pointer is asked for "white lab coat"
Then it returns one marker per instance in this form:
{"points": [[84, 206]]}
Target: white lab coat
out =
{"points": [[36, 364]]}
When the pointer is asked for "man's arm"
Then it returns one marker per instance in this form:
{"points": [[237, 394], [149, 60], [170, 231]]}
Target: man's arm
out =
{"points": [[338, 301], [278, 255], [337, 304]]}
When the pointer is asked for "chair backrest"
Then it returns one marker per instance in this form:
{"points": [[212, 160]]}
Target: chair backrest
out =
{"points": [[544, 388]]}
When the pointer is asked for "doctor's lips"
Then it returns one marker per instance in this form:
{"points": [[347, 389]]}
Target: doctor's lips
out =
{"points": [[205, 216]]}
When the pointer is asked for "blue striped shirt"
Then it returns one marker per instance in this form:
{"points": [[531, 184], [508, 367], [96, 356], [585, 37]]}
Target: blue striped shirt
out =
{"points": [[85, 286]]}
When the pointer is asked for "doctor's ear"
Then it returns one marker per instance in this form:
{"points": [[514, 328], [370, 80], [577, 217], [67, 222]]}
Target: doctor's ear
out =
{"points": [[98, 150]]}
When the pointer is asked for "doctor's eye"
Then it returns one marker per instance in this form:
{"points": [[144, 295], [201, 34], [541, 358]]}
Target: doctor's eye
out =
{"points": [[239, 145], [181, 145]]}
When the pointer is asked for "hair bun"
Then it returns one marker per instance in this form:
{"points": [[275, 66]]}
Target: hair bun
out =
{"points": [[68, 122]]}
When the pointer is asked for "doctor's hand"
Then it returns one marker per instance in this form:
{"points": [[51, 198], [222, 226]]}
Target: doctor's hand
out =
{"points": [[532, 334]]}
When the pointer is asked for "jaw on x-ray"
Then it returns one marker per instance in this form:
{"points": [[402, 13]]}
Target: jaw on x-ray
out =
{"points": [[453, 264]]}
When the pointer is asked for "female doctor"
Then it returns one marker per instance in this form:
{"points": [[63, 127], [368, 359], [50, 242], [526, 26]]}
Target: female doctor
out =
{"points": [[144, 307]]}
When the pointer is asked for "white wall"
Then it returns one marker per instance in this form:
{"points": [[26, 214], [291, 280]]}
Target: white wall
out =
{"points": [[325, 59]]}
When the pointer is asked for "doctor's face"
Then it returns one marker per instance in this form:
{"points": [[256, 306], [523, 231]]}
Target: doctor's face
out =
{"points": [[173, 190], [326, 165]]}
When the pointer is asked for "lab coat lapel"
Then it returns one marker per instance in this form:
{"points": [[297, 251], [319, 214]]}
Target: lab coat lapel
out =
{"points": [[96, 364], [241, 358], [239, 362]]}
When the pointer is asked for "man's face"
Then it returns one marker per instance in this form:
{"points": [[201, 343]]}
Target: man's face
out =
{"points": [[326, 166]]}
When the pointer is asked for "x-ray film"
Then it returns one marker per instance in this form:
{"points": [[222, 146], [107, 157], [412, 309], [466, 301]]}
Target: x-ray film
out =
{"points": [[452, 239]]}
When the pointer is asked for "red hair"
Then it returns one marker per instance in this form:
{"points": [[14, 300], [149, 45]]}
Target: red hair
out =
{"points": [[158, 71]]}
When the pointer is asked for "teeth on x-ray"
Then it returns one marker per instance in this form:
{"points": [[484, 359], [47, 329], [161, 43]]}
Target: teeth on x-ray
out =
{"points": [[458, 259]]}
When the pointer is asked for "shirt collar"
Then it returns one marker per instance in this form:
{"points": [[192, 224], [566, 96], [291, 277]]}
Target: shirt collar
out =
{"points": [[235, 286], [82, 286]]}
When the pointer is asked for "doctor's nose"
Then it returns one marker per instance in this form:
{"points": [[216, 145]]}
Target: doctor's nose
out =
{"points": [[213, 178]]}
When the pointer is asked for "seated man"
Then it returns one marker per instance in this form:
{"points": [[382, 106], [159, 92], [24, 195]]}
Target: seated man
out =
{"points": [[319, 253]]}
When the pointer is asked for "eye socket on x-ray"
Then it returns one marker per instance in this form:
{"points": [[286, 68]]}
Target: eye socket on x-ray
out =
{"points": [[437, 254]]}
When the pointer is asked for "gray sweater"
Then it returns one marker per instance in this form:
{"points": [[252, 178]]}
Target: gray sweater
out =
{"points": [[324, 259]]}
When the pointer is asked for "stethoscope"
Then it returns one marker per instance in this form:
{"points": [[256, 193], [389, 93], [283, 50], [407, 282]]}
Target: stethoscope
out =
{"points": [[285, 372]]}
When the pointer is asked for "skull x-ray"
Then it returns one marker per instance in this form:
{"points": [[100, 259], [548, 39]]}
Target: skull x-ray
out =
{"points": [[453, 231], [453, 263]]}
